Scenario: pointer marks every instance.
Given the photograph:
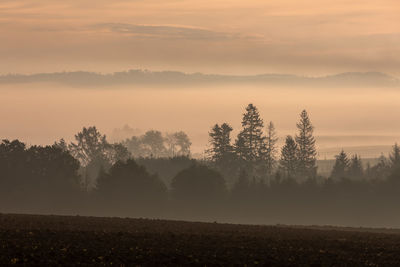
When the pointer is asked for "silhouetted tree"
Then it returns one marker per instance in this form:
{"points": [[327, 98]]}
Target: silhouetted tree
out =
{"points": [[341, 166], [355, 170], [118, 152], [221, 152], [13, 158], [395, 156], [153, 143], [61, 144], [270, 152], [289, 162], [180, 143], [128, 188], [39, 178], [381, 170], [52, 167], [95, 154], [250, 144], [166, 168], [306, 146], [198, 189], [393, 170], [90, 144], [220, 141], [134, 146], [239, 148]]}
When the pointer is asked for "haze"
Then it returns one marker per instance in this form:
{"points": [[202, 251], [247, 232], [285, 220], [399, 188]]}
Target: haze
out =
{"points": [[43, 113]]}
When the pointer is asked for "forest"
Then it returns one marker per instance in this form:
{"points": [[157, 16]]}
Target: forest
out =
{"points": [[243, 179]]}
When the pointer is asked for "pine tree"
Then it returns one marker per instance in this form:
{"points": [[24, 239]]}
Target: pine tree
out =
{"points": [[381, 170], [220, 141], [240, 149], [306, 146], [355, 169], [382, 161], [270, 152], [289, 162], [394, 167], [250, 144], [368, 170], [341, 165], [395, 156], [227, 148]]}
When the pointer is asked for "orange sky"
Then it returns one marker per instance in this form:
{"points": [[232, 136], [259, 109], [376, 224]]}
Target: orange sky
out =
{"points": [[220, 36]]}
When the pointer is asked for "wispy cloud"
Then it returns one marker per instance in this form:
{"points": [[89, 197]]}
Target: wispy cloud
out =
{"points": [[168, 32], [308, 36]]}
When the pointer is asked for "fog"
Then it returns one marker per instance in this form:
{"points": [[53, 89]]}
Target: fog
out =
{"points": [[239, 190], [344, 117]]}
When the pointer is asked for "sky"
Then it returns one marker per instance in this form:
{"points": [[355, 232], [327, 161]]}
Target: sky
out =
{"points": [[219, 36], [303, 37]]}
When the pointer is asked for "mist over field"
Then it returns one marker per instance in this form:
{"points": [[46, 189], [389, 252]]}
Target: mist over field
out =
{"points": [[175, 145], [356, 118]]}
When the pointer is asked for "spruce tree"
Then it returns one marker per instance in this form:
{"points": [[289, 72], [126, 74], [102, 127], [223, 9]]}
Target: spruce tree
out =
{"points": [[250, 144], [341, 165], [226, 146], [289, 162], [215, 143], [355, 169], [395, 156], [306, 146], [240, 148], [220, 141], [381, 170], [270, 151]]}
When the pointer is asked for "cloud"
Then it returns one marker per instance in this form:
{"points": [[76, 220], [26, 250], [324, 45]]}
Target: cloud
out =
{"points": [[168, 32], [210, 36]]}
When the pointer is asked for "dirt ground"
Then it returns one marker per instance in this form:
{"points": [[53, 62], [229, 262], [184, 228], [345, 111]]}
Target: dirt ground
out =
{"points": [[74, 240]]}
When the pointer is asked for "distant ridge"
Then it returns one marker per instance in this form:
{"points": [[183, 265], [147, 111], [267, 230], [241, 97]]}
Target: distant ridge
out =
{"points": [[173, 78]]}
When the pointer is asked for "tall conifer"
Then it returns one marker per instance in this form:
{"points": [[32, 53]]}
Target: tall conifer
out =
{"points": [[306, 146]]}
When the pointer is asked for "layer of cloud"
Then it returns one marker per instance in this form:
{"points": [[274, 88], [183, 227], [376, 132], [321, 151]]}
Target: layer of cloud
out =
{"points": [[209, 36], [165, 31]]}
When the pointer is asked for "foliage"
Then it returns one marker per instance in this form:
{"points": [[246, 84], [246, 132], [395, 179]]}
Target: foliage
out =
{"points": [[250, 144], [166, 168], [341, 165], [270, 152], [95, 154], [289, 162], [395, 155], [154, 144], [306, 146], [355, 168], [128, 186], [198, 188], [37, 176]]}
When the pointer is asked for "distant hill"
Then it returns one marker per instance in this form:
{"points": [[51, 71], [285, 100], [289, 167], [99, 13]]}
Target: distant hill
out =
{"points": [[175, 78]]}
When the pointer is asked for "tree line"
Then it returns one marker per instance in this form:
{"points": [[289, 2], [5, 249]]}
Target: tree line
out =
{"points": [[155, 144], [255, 152], [241, 180]]}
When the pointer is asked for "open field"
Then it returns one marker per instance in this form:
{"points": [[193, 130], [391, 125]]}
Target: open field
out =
{"points": [[64, 240]]}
